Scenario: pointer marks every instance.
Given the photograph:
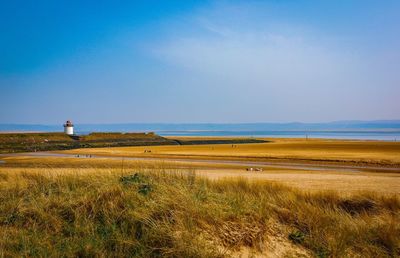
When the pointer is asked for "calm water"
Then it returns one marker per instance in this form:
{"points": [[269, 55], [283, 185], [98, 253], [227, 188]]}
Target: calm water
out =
{"points": [[388, 130], [358, 135]]}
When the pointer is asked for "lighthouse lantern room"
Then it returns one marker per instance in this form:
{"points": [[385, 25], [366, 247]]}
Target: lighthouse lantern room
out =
{"points": [[69, 128]]}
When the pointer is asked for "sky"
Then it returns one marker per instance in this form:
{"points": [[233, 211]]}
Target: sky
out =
{"points": [[199, 61]]}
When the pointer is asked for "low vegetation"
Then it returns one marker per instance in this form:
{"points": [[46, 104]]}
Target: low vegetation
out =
{"points": [[30, 142], [154, 212], [123, 139]]}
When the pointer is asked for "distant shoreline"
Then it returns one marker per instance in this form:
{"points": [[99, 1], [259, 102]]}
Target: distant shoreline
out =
{"points": [[380, 135]]}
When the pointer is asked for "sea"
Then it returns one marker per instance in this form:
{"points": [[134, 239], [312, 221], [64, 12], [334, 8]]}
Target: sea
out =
{"points": [[356, 135], [387, 130]]}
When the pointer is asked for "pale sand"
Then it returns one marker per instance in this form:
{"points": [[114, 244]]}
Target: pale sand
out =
{"points": [[343, 182]]}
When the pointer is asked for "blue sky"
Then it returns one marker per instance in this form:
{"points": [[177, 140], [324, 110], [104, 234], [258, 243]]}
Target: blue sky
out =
{"points": [[199, 61]]}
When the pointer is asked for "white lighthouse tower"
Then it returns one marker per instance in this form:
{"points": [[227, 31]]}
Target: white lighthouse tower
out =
{"points": [[68, 128]]}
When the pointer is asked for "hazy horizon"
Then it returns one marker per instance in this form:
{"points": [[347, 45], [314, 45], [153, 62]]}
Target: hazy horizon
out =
{"points": [[199, 61], [389, 121], [374, 124]]}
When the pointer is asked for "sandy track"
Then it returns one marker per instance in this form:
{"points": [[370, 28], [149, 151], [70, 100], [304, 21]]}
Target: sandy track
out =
{"points": [[386, 183]]}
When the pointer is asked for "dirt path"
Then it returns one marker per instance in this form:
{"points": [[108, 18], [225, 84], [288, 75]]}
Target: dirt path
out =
{"points": [[386, 183]]}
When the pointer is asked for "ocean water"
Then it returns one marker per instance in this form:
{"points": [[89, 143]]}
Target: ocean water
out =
{"points": [[356, 135], [388, 130]]}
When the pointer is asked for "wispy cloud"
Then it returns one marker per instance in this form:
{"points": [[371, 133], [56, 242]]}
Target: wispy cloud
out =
{"points": [[273, 66]]}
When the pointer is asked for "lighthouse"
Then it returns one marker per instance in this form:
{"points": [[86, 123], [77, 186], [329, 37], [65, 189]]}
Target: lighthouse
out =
{"points": [[68, 128]]}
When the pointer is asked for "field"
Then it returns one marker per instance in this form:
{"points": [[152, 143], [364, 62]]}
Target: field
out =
{"points": [[323, 178], [314, 198], [377, 153]]}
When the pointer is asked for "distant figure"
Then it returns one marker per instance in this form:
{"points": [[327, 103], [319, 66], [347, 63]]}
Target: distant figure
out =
{"points": [[254, 169]]}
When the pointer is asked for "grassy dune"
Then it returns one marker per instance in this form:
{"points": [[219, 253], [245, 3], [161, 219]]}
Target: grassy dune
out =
{"points": [[30, 142], [20, 142], [104, 212], [123, 139]]}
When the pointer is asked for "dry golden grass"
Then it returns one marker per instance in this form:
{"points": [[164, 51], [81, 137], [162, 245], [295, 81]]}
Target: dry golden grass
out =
{"points": [[71, 162], [363, 152], [162, 213]]}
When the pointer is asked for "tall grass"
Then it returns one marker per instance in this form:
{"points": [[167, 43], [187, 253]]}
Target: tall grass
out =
{"points": [[160, 213]]}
